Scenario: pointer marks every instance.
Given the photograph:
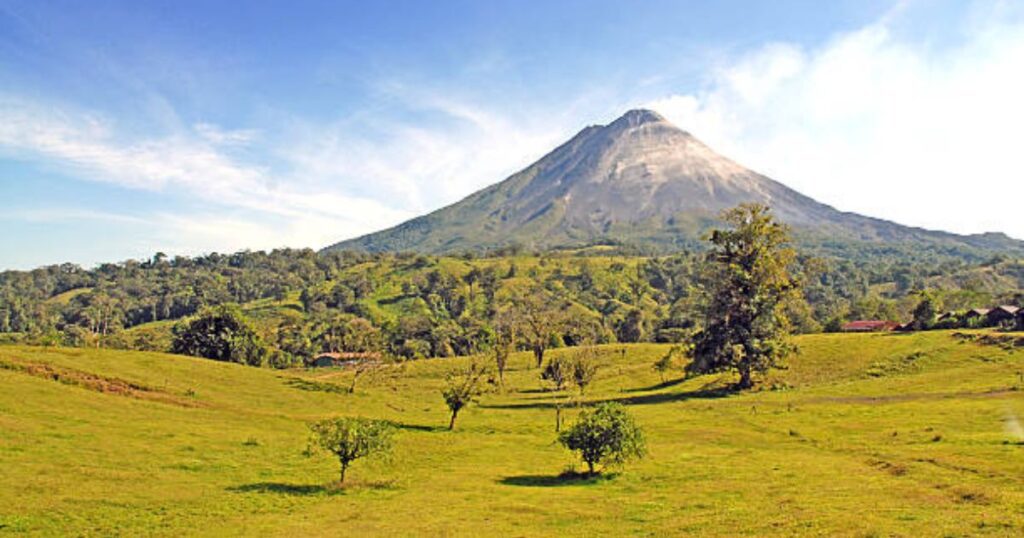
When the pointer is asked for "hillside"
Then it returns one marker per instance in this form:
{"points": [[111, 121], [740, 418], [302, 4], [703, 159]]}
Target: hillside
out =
{"points": [[868, 435], [642, 181]]}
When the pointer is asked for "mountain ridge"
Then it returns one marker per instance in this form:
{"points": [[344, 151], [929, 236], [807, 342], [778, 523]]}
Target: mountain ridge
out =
{"points": [[638, 180]]}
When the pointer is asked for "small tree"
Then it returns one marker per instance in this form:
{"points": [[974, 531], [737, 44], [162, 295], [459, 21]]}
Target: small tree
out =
{"points": [[583, 369], [504, 342], [558, 372], [608, 435], [351, 438], [462, 388], [539, 316], [367, 368]]}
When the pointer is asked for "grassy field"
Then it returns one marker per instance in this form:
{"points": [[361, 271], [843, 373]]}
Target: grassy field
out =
{"points": [[863, 435]]}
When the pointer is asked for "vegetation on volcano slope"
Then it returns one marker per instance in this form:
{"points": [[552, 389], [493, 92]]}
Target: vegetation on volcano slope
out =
{"points": [[883, 434]]}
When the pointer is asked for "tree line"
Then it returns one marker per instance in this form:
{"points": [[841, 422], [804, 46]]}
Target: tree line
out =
{"points": [[299, 303]]}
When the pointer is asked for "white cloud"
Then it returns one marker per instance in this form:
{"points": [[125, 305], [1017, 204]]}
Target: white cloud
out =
{"points": [[878, 124], [419, 168], [193, 164], [335, 180], [216, 135]]}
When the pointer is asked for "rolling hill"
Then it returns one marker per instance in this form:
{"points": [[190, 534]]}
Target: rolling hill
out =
{"points": [[889, 435], [642, 181]]}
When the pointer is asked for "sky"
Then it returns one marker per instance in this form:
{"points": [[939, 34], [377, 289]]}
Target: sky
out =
{"points": [[186, 126]]}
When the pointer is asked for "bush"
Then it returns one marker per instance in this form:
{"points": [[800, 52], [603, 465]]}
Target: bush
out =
{"points": [[608, 435]]}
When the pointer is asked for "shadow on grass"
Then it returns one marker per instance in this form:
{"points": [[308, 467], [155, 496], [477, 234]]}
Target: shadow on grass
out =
{"points": [[556, 481], [417, 427], [533, 391], [645, 399], [315, 386], [659, 386], [303, 490], [289, 489]]}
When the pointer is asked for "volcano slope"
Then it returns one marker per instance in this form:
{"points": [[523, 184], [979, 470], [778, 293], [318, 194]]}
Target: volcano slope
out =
{"points": [[883, 434]]}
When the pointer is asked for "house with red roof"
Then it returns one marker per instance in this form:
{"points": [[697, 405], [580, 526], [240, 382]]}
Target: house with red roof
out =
{"points": [[869, 325]]}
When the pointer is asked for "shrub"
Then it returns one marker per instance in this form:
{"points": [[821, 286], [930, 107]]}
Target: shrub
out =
{"points": [[608, 435]]}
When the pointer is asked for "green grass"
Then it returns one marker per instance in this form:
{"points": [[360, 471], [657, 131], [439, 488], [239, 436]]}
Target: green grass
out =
{"points": [[863, 435]]}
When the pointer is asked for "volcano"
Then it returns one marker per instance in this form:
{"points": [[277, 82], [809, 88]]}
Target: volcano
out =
{"points": [[640, 180]]}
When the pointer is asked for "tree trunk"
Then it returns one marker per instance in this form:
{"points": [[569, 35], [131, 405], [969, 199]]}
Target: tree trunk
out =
{"points": [[590, 467], [558, 418], [538, 353], [344, 467], [745, 380], [451, 424]]}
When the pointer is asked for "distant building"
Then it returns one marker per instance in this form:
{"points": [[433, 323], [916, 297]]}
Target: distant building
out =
{"points": [[1002, 314], [326, 360], [946, 316], [976, 313], [869, 325]]}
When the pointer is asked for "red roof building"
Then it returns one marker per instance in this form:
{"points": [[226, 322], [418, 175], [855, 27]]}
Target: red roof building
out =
{"points": [[869, 325]]}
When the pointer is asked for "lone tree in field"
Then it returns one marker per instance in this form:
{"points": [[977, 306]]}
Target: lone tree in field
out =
{"points": [[583, 368], [351, 438], [374, 369], [504, 342], [558, 372], [539, 316], [608, 435], [747, 284], [462, 388]]}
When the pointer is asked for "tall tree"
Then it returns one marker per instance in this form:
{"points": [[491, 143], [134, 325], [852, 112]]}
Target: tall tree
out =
{"points": [[540, 316], [747, 283]]}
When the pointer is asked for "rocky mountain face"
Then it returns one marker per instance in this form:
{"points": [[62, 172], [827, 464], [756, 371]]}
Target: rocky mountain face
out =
{"points": [[639, 180]]}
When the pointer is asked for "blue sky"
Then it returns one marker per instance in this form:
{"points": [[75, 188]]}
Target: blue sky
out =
{"points": [[133, 127]]}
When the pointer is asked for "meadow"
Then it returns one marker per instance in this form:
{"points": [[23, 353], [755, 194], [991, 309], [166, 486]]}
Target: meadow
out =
{"points": [[862, 435]]}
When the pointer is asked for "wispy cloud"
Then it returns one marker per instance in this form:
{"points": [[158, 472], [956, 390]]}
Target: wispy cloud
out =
{"points": [[422, 165], [330, 181], [194, 163], [877, 123]]}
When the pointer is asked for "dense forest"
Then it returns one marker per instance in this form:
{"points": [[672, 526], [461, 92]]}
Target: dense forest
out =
{"points": [[299, 302]]}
